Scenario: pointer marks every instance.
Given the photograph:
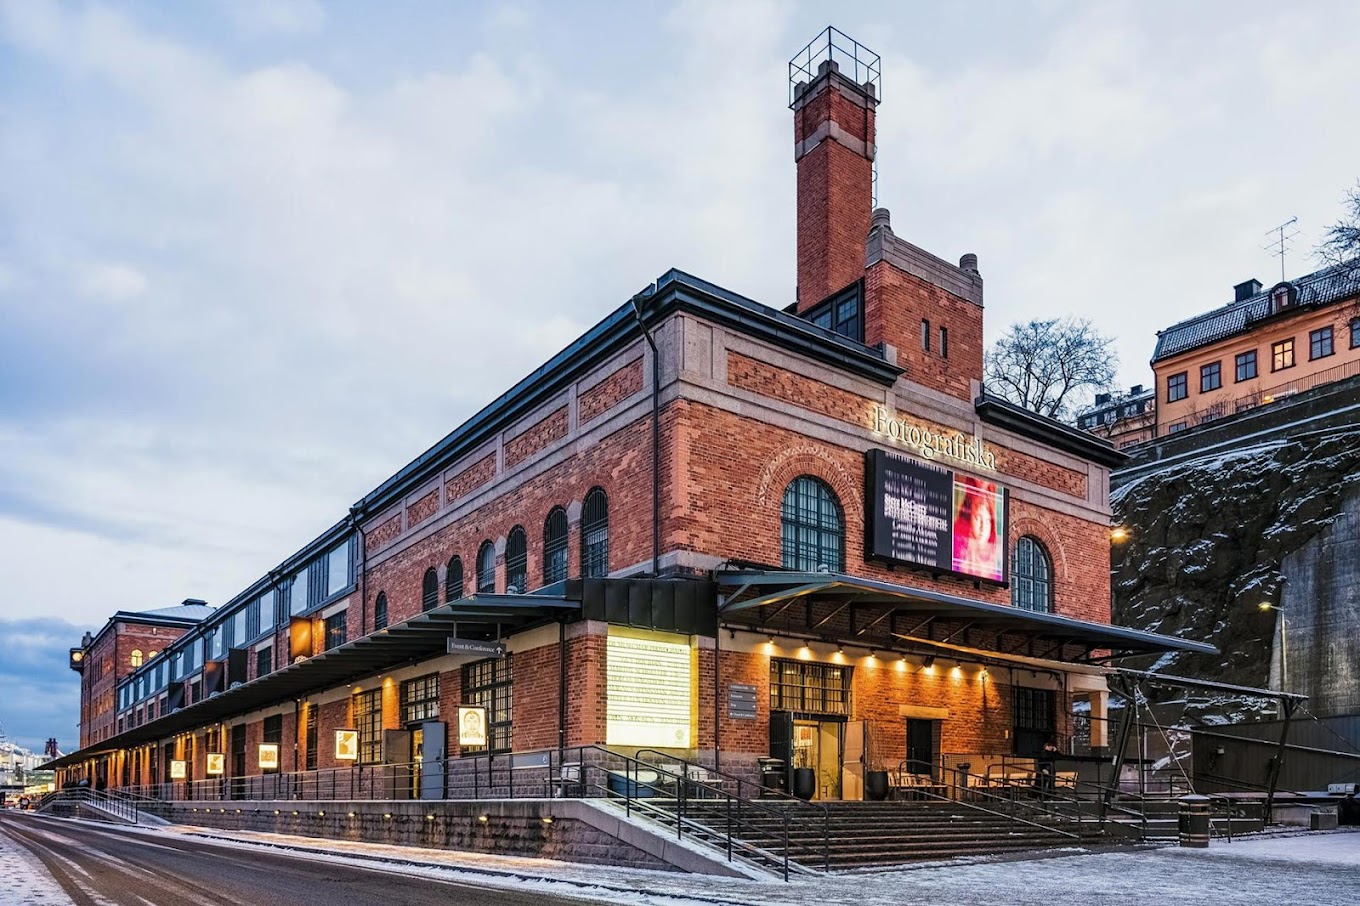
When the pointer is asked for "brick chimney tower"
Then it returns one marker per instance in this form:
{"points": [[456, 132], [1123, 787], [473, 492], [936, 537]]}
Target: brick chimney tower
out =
{"points": [[833, 83]]}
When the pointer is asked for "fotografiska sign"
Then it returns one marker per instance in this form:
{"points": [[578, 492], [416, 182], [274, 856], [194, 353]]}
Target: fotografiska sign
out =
{"points": [[930, 444]]}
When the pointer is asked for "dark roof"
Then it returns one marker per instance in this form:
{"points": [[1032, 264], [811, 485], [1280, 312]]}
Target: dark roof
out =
{"points": [[1331, 284], [187, 612], [1048, 431], [420, 637], [754, 588]]}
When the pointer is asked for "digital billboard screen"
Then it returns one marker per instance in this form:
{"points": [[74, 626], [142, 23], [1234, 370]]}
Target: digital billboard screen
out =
{"points": [[926, 515]]}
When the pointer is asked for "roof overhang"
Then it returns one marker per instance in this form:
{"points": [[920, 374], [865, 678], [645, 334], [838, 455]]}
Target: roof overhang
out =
{"points": [[933, 617], [419, 638]]}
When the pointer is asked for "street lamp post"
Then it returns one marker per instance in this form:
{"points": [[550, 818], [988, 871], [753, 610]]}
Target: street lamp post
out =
{"points": [[1284, 648]]}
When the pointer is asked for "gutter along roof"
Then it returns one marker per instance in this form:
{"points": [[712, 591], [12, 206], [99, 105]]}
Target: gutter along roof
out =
{"points": [[749, 589], [420, 637]]}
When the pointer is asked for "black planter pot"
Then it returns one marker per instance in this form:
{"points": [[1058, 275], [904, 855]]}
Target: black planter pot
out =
{"points": [[804, 783], [876, 785]]}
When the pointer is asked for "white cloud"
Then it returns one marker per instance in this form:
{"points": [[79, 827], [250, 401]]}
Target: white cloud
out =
{"points": [[114, 282], [276, 17]]}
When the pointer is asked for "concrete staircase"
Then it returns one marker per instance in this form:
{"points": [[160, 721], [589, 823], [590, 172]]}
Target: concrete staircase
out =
{"points": [[848, 835]]}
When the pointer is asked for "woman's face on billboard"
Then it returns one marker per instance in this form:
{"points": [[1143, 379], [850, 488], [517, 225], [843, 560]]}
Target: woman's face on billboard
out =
{"points": [[982, 518]]}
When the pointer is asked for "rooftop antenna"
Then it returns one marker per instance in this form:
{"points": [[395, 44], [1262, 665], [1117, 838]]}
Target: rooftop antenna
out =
{"points": [[1282, 236]]}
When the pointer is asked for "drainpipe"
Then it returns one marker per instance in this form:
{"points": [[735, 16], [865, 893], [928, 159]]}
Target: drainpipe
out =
{"points": [[656, 431], [561, 689], [354, 513]]}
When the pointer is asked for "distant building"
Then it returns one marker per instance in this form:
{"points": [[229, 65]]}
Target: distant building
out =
{"points": [[126, 642], [1264, 346], [1124, 419]]}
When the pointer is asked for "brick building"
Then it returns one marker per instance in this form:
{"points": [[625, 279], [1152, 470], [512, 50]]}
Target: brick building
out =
{"points": [[711, 526]]}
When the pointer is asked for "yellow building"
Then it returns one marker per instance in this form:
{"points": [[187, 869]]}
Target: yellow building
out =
{"points": [[1264, 346]]}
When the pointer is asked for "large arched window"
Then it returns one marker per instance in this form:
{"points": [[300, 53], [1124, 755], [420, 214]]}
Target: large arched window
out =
{"points": [[517, 562], [453, 580], [429, 590], [595, 535], [1032, 576], [486, 569], [380, 612], [813, 529], [555, 546]]}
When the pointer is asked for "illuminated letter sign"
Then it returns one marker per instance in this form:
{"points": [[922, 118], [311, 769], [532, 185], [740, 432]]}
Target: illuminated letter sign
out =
{"points": [[925, 515], [217, 763], [650, 694], [269, 756], [471, 726], [929, 443], [177, 770], [346, 745]]}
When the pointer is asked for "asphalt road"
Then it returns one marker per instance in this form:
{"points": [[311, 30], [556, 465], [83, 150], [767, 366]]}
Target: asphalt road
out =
{"points": [[99, 866]]}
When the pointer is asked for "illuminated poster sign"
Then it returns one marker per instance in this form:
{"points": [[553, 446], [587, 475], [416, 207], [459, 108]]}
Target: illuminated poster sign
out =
{"points": [[217, 764], [471, 726], [649, 692], [346, 745], [269, 756], [925, 515], [178, 770]]}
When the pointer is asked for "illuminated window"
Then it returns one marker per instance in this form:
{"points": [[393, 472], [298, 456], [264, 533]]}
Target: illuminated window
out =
{"points": [[135, 659], [368, 721], [420, 699], [380, 611], [336, 630], [429, 590], [1177, 387], [517, 562], [487, 684], [813, 529], [1246, 365], [555, 546], [1320, 343], [1031, 577], [595, 535], [453, 580], [1282, 355], [486, 569], [809, 688]]}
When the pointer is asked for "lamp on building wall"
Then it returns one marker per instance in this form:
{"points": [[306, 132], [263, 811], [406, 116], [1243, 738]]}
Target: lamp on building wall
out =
{"points": [[1119, 534], [1284, 648]]}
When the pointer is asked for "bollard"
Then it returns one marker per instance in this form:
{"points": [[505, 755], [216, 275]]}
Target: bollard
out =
{"points": [[1194, 821]]}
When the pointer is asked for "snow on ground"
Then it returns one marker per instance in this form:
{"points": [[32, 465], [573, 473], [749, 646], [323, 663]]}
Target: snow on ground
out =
{"points": [[1322, 869], [23, 879]]}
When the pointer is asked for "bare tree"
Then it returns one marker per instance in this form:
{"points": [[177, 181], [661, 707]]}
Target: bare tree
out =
{"points": [[1341, 244], [1050, 366]]}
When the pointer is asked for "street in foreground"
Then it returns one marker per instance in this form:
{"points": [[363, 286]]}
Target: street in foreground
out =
{"points": [[179, 865]]}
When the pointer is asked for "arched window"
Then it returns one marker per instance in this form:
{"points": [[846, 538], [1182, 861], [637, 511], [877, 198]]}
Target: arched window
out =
{"points": [[813, 529], [380, 612], [1032, 576], [453, 580], [486, 569], [517, 562], [429, 590], [595, 535], [555, 546], [135, 658]]}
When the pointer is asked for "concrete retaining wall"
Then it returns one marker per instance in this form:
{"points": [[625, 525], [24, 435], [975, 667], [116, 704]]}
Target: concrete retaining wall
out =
{"points": [[568, 829]]}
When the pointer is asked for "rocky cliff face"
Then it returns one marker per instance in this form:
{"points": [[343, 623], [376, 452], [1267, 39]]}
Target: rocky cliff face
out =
{"points": [[1212, 539]]}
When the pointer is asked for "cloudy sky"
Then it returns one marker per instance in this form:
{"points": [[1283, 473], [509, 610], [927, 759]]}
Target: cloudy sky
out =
{"points": [[255, 256]]}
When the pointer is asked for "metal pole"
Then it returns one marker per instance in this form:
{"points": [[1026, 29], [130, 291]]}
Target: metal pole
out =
{"points": [[1125, 724], [1288, 704]]}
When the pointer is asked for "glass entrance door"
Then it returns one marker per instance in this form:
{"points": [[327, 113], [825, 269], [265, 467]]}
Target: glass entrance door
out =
{"points": [[817, 747]]}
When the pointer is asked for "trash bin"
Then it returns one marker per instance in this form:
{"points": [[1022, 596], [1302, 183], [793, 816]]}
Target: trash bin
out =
{"points": [[634, 785], [804, 783], [773, 779], [1194, 821]]}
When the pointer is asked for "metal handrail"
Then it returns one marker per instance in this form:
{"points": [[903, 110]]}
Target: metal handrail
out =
{"points": [[963, 788], [126, 809], [762, 792]]}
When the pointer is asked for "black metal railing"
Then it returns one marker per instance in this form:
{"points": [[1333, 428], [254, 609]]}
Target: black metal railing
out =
{"points": [[1002, 801], [108, 801]]}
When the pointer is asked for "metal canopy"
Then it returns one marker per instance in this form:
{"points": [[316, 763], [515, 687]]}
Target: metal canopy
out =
{"points": [[745, 590], [416, 639]]}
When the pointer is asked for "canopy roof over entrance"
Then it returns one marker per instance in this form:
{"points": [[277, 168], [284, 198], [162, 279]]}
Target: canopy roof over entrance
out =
{"points": [[480, 616], [867, 607]]}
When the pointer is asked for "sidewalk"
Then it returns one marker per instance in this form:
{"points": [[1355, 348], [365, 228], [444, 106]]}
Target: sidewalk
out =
{"points": [[1320, 868]]}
